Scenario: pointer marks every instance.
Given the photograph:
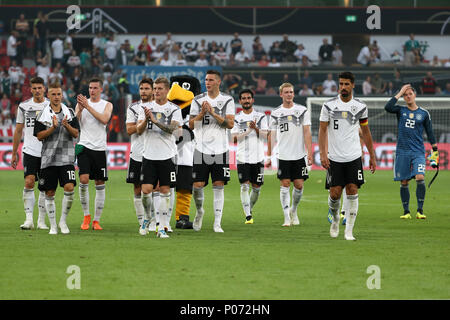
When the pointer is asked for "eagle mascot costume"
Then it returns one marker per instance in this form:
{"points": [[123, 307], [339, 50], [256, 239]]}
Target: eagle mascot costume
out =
{"points": [[183, 89]]}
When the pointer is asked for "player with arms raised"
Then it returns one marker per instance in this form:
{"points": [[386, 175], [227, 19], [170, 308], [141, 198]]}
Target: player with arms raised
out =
{"points": [[290, 126], [410, 151], [340, 120], [212, 113], [26, 116], [249, 131]]}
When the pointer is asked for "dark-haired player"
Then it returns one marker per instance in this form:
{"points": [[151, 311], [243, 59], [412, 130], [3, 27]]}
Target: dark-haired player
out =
{"points": [[93, 114], [137, 144], [249, 131], [340, 120], [26, 117], [212, 113]]}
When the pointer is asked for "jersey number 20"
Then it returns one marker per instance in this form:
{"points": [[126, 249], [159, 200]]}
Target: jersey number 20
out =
{"points": [[284, 127]]}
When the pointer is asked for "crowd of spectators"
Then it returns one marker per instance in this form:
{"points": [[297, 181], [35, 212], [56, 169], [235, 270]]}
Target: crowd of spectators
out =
{"points": [[57, 59]]}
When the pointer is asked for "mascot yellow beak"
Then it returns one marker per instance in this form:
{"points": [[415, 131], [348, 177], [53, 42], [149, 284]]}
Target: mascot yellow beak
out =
{"points": [[180, 96]]}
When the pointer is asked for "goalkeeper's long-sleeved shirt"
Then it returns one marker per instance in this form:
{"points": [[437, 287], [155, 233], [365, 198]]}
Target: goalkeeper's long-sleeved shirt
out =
{"points": [[411, 124]]}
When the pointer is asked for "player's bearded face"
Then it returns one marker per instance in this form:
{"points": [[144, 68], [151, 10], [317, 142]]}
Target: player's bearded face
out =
{"points": [[246, 102], [145, 92], [345, 88]]}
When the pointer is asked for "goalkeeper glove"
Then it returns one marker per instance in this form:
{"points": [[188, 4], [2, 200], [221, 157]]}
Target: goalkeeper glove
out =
{"points": [[434, 158]]}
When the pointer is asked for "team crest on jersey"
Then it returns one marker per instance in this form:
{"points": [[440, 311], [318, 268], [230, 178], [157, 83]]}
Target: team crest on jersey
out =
{"points": [[353, 109], [41, 181], [344, 114], [411, 115], [219, 104], [419, 117]]}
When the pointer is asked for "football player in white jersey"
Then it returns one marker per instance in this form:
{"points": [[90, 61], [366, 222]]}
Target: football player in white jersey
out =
{"points": [[26, 117], [159, 122], [212, 113], [250, 131], [93, 114], [340, 120], [137, 144], [290, 126]]}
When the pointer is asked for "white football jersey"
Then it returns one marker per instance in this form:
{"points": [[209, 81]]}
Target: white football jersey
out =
{"points": [[137, 140], [210, 137], [186, 147], [160, 145], [93, 132], [251, 148], [289, 122], [26, 114], [343, 127]]}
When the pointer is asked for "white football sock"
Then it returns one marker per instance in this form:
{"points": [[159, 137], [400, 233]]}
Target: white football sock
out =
{"points": [[285, 199], [147, 203], [163, 210], [296, 197], [344, 200], [245, 199], [84, 198], [139, 208], [99, 201], [66, 205], [254, 194], [353, 204], [198, 198], [41, 206], [156, 205], [28, 203], [334, 205], [50, 207], [218, 192]]}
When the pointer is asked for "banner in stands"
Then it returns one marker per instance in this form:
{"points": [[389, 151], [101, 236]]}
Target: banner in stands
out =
{"points": [[118, 155], [136, 73]]}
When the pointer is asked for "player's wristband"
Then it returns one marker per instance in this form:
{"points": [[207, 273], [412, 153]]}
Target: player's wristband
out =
{"points": [[435, 148]]}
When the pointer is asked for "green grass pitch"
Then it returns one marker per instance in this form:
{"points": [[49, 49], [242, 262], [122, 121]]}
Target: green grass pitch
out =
{"points": [[259, 261]]}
